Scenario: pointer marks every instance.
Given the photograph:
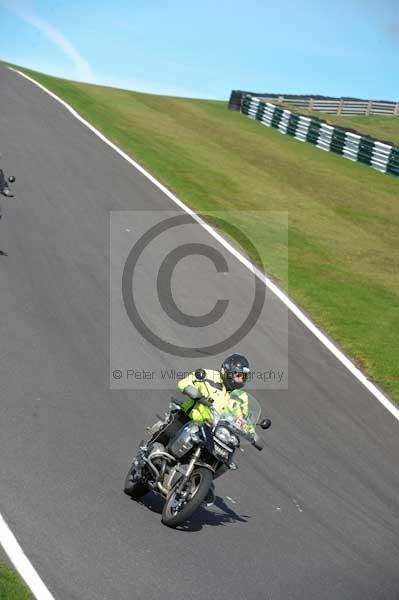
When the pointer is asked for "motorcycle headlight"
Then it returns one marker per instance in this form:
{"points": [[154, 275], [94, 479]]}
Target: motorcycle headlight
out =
{"points": [[234, 441], [224, 435]]}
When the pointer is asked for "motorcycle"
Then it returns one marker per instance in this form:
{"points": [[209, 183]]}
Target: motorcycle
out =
{"points": [[183, 471]]}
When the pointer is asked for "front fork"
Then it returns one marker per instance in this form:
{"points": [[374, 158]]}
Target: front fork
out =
{"points": [[192, 462], [187, 472]]}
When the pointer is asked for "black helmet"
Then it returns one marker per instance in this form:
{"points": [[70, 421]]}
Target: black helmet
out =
{"points": [[234, 363]]}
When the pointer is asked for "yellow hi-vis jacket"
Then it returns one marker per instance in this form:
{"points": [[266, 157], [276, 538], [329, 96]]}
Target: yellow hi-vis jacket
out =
{"points": [[212, 387]]}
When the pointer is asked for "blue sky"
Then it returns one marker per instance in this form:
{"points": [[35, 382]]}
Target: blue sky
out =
{"points": [[205, 49]]}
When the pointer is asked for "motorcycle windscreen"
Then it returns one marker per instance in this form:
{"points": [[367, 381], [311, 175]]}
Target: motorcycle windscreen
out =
{"points": [[243, 413]]}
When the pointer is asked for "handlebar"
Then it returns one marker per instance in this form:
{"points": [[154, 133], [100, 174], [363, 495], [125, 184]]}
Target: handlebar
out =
{"points": [[180, 402], [203, 400]]}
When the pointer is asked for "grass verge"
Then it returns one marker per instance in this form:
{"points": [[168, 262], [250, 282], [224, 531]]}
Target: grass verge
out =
{"points": [[11, 586], [343, 217]]}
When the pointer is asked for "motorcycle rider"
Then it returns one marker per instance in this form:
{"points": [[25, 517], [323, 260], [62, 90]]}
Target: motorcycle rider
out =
{"points": [[216, 387]]}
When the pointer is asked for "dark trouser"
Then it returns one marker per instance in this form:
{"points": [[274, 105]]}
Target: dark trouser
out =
{"points": [[3, 185], [167, 433], [3, 180]]}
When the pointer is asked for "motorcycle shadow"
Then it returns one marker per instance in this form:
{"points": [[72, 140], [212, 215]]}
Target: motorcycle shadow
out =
{"points": [[204, 515]]}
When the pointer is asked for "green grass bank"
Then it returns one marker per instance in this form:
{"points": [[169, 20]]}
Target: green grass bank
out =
{"points": [[343, 217], [11, 586]]}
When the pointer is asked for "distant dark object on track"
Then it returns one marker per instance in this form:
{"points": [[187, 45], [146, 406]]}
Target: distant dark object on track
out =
{"points": [[4, 187], [5, 190]]}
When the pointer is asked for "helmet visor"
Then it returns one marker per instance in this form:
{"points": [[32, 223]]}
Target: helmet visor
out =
{"points": [[239, 375]]}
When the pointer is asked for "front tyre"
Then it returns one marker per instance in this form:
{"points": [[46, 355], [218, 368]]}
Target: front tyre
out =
{"points": [[133, 488], [180, 505]]}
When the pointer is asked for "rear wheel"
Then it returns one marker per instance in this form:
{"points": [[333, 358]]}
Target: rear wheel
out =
{"points": [[181, 504], [134, 488]]}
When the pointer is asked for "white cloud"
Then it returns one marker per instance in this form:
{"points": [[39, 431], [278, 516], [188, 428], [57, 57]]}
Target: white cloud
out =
{"points": [[21, 9]]}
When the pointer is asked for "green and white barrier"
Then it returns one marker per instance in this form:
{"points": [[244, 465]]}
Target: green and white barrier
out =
{"points": [[379, 155]]}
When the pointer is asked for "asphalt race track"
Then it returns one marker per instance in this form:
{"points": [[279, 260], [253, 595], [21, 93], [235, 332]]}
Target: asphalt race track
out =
{"points": [[314, 516]]}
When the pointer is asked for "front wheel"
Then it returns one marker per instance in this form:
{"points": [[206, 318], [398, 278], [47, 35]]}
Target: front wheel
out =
{"points": [[180, 505], [132, 487]]}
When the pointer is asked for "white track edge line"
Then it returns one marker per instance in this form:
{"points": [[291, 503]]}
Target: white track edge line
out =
{"points": [[279, 293], [22, 563]]}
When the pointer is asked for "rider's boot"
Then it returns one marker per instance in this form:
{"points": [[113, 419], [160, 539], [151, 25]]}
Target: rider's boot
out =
{"points": [[6, 192], [156, 428], [211, 497]]}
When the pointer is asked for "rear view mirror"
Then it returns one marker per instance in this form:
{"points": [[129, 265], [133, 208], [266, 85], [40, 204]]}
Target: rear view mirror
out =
{"points": [[200, 374], [265, 424]]}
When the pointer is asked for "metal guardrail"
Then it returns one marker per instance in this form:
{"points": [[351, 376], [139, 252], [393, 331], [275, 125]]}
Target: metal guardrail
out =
{"points": [[380, 155]]}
